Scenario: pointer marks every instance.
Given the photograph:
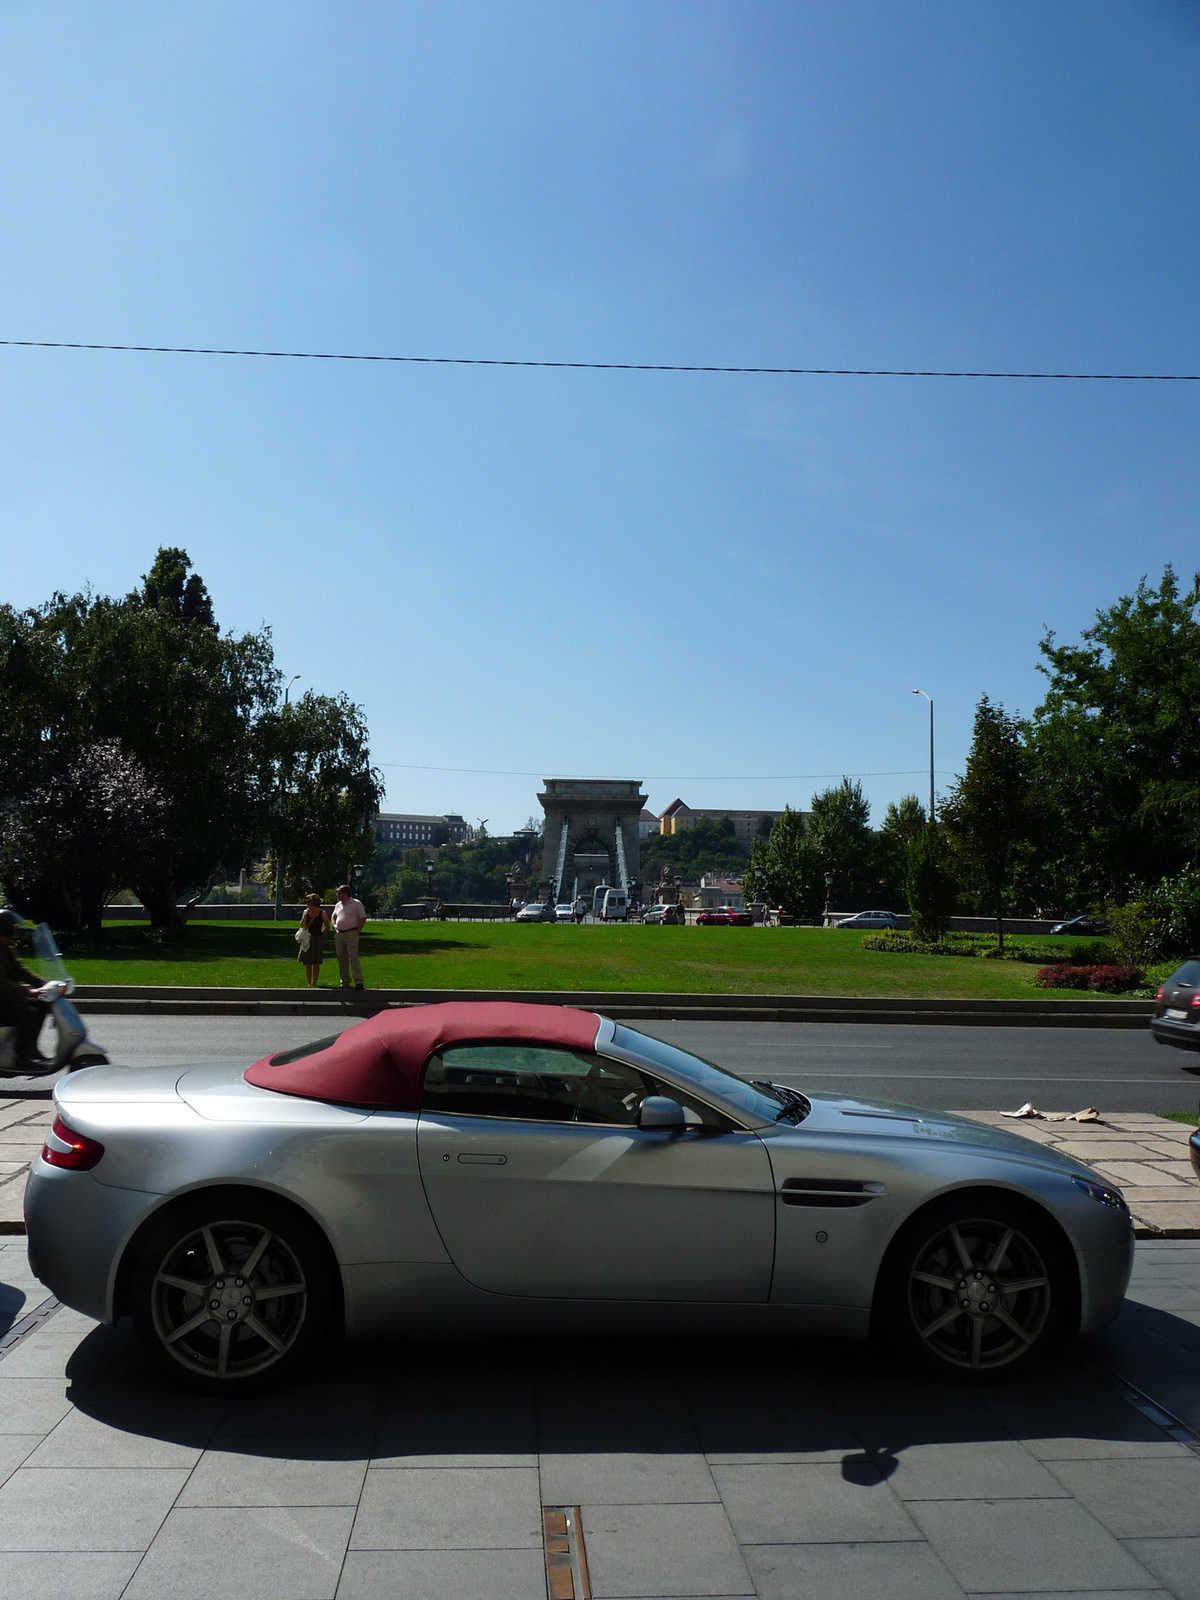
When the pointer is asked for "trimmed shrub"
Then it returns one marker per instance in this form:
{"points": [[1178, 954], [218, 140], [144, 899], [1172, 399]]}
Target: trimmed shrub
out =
{"points": [[1101, 980], [1114, 980], [1062, 976], [903, 944]]}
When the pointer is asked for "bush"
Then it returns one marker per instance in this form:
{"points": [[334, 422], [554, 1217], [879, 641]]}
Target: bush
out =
{"points": [[1101, 980], [904, 944], [1114, 980], [1062, 976], [1137, 933]]}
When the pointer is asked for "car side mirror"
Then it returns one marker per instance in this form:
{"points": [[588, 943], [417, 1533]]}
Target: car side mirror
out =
{"points": [[662, 1114]]}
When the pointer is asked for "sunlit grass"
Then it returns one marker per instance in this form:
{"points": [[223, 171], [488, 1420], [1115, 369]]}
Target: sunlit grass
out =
{"points": [[465, 955]]}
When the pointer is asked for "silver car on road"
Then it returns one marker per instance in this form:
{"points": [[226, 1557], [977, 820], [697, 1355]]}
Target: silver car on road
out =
{"points": [[475, 1166]]}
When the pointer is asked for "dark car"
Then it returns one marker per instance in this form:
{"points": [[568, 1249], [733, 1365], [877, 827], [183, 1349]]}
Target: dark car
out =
{"points": [[1094, 927], [725, 917], [1177, 1019]]}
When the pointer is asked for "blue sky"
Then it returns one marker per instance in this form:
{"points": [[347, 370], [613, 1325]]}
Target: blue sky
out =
{"points": [[704, 581]]}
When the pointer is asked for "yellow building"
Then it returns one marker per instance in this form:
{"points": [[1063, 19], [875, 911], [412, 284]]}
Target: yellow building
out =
{"points": [[678, 818]]}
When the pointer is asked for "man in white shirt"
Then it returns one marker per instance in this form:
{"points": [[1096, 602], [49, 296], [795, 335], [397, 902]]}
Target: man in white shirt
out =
{"points": [[348, 917]]}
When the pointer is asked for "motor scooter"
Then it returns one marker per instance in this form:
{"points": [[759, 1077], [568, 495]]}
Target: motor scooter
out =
{"points": [[73, 1049]]}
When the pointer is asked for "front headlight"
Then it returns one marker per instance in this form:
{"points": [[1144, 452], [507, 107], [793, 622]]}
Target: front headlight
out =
{"points": [[1101, 1192]]}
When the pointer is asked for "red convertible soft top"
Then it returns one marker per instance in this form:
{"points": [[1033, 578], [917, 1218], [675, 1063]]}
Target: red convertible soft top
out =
{"points": [[378, 1062]]}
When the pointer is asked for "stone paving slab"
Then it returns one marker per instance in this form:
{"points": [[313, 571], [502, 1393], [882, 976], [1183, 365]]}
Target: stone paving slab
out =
{"points": [[24, 1123], [426, 1474], [1144, 1155]]}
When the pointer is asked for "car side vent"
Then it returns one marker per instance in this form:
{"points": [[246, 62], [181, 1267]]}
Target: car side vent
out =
{"points": [[833, 1193]]}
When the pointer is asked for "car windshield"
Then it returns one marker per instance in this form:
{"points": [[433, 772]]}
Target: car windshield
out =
{"points": [[757, 1100], [1188, 974]]}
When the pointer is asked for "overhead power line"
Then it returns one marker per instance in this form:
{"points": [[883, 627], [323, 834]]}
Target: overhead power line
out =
{"points": [[599, 366], [667, 777]]}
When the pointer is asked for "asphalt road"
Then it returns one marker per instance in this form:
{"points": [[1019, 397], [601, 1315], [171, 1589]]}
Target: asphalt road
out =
{"points": [[951, 1068]]}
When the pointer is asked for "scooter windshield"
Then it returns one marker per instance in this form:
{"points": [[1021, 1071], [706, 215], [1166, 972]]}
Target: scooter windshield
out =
{"points": [[50, 961]]}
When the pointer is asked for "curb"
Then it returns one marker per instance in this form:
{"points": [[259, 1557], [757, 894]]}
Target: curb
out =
{"points": [[625, 1006]]}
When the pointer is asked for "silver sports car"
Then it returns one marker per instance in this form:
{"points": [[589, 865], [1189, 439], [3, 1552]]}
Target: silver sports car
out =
{"points": [[474, 1166]]}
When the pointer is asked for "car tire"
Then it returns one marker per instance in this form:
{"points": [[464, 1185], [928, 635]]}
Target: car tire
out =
{"points": [[234, 1292], [976, 1288]]}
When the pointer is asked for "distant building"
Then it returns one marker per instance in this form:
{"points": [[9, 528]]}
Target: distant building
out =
{"points": [[647, 826], [408, 831], [716, 891], [678, 818]]}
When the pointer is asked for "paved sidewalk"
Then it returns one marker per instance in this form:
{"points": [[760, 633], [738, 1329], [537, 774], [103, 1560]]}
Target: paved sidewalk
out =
{"points": [[1144, 1155], [24, 1122], [702, 1468]]}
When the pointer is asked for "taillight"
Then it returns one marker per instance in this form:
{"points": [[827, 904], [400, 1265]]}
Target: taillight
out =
{"points": [[1194, 1002], [66, 1148], [1162, 993]]}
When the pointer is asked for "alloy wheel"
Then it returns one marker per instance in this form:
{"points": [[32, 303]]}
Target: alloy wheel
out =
{"points": [[979, 1294], [229, 1300]]}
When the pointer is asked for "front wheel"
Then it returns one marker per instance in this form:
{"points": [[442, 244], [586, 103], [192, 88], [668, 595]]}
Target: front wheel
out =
{"points": [[233, 1293], [975, 1289]]}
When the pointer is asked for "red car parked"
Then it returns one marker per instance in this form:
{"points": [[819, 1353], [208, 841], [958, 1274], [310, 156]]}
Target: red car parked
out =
{"points": [[724, 916]]}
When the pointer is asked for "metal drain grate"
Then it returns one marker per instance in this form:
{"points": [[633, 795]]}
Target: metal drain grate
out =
{"points": [[29, 1323], [566, 1559], [1170, 1424]]}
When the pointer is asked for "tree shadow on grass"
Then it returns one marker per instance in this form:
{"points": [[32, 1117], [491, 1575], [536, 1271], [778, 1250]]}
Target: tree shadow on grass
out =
{"points": [[209, 944]]}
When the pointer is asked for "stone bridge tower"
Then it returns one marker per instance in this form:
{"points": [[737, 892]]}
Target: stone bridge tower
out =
{"points": [[591, 834]]}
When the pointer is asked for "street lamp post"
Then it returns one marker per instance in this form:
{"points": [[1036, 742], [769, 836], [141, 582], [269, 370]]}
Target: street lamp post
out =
{"points": [[829, 876], [932, 815], [278, 851]]}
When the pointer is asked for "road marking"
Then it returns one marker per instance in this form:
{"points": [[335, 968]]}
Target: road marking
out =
{"points": [[975, 1077]]}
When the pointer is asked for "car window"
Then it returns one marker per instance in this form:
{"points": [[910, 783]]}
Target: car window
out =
{"points": [[534, 1083], [738, 1093], [1188, 973]]}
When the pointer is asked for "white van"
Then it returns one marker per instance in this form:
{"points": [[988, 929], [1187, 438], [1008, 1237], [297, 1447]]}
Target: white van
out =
{"points": [[615, 906]]}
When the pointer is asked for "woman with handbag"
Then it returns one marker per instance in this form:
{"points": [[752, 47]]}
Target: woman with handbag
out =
{"points": [[310, 936]]}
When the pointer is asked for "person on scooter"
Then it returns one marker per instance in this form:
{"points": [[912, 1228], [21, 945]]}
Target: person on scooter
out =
{"points": [[21, 1004]]}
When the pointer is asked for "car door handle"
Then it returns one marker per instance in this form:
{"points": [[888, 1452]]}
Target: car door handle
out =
{"points": [[835, 1193], [474, 1160]]}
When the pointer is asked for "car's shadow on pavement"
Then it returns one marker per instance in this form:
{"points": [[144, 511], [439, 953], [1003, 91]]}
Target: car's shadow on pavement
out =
{"points": [[657, 1400]]}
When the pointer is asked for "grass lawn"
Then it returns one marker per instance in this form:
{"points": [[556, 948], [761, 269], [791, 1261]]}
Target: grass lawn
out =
{"points": [[480, 955]]}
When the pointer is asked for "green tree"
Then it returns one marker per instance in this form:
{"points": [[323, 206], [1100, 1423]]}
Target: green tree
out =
{"points": [[197, 712], [707, 846], [180, 698], [172, 588], [785, 870], [327, 792], [1116, 745], [992, 814], [929, 883], [839, 834], [902, 823]]}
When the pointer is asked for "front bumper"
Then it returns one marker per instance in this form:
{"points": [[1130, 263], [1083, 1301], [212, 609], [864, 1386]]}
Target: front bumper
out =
{"points": [[1183, 1035], [1105, 1278]]}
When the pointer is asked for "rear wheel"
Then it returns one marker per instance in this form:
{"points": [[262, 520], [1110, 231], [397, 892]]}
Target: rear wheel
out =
{"points": [[233, 1292], [975, 1289]]}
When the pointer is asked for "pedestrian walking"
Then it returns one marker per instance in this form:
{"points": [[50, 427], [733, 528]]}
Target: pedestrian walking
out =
{"points": [[310, 936], [348, 917]]}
